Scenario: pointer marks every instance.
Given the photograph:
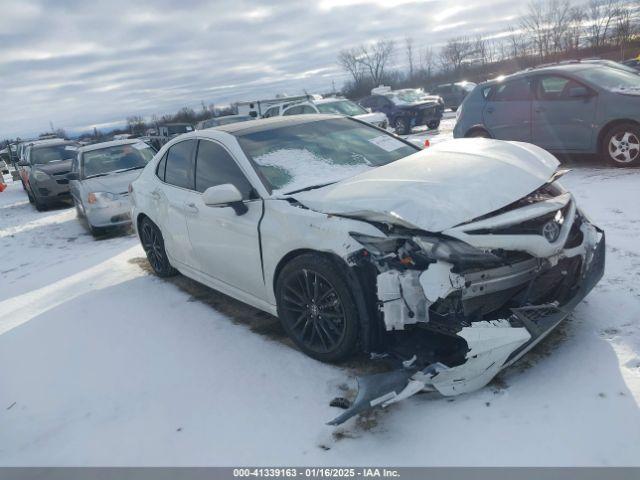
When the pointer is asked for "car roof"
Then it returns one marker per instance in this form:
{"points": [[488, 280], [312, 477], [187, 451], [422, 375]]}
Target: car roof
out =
{"points": [[112, 143], [262, 124], [329, 100], [559, 68], [52, 143]]}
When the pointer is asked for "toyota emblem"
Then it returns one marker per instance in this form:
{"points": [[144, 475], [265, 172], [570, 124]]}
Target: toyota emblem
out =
{"points": [[551, 231]]}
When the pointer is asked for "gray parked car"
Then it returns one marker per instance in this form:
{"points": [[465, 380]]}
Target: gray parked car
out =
{"points": [[100, 178], [43, 171], [571, 108], [453, 94]]}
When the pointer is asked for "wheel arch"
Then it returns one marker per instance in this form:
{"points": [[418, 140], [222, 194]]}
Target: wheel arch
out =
{"points": [[606, 128], [477, 128], [363, 288]]}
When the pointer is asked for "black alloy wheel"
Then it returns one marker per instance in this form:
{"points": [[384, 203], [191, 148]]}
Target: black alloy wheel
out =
{"points": [[153, 245], [316, 308]]}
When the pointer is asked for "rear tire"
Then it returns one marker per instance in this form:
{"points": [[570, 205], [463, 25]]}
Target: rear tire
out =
{"points": [[433, 125], [153, 245], [621, 145], [402, 126], [316, 308]]}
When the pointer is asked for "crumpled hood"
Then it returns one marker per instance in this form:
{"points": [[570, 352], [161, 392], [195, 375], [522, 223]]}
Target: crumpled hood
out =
{"points": [[440, 187], [115, 183]]}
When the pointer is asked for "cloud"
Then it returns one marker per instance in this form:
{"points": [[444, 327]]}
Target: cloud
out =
{"points": [[78, 63]]}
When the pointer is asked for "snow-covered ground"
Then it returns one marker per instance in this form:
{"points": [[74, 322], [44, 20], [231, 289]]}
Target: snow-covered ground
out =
{"points": [[102, 363]]}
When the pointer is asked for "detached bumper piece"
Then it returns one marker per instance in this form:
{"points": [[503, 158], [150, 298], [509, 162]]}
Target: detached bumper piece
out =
{"points": [[491, 346]]}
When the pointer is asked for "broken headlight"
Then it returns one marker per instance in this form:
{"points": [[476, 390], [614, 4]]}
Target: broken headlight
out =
{"points": [[455, 252], [427, 248], [378, 245]]}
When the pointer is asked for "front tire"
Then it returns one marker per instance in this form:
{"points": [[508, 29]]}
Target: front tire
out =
{"points": [[621, 145], [433, 125], [316, 308], [153, 245]]}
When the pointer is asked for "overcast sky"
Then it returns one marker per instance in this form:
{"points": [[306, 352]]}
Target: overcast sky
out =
{"points": [[85, 63]]}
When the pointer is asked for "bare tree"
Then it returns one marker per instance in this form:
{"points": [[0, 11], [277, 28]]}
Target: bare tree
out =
{"points": [[349, 60], [574, 30], [409, 51], [534, 24], [454, 54], [427, 62], [480, 46], [601, 15], [557, 19], [376, 57], [624, 30], [136, 125]]}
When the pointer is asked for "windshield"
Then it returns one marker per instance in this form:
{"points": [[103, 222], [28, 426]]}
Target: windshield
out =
{"points": [[316, 153], [611, 78], [55, 153], [175, 129], [341, 107], [111, 159], [232, 119], [405, 96]]}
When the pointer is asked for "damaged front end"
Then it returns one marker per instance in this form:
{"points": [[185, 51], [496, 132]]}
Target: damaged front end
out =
{"points": [[459, 306]]}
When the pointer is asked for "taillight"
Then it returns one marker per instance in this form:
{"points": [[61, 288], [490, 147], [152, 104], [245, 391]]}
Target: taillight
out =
{"points": [[427, 143]]}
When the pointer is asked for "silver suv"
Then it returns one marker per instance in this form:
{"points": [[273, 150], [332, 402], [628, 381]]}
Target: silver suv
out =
{"points": [[44, 171], [566, 108]]}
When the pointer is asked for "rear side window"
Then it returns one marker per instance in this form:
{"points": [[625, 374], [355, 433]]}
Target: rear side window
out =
{"points": [[512, 91], [161, 167], [215, 166], [179, 169], [555, 88]]}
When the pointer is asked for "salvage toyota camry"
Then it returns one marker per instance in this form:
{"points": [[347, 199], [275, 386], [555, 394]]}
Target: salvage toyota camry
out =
{"points": [[454, 260]]}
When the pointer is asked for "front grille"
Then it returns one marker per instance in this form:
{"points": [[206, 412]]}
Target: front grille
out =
{"points": [[529, 227]]}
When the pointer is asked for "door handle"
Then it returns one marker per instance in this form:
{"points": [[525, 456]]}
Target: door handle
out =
{"points": [[191, 208], [540, 109], [490, 110]]}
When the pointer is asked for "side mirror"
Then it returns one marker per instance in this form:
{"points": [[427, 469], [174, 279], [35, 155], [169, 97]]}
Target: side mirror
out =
{"points": [[73, 176], [578, 92], [224, 195], [23, 163], [368, 109]]}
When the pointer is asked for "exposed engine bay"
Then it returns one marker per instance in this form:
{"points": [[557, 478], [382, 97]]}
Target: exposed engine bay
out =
{"points": [[460, 305]]}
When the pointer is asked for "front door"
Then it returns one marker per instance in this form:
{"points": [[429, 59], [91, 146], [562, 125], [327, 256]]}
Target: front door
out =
{"points": [[507, 112], [225, 239], [171, 197], [563, 120]]}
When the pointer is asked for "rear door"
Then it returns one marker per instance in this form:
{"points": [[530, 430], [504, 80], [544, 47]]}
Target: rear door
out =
{"points": [[225, 244], [562, 121], [507, 112], [171, 196]]}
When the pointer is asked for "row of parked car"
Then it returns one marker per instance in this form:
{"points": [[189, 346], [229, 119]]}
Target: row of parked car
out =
{"points": [[359, 240]]}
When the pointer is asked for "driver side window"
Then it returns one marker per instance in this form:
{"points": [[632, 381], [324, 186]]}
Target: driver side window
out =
{"points": [[215, 166]]}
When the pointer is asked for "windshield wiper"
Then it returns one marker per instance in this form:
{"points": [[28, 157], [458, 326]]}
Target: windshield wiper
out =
{"points": [[128, 169], [97, 175], [311, 187]]}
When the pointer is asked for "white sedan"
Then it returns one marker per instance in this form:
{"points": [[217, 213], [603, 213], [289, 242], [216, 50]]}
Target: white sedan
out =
{"points": [[454, 260]]}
